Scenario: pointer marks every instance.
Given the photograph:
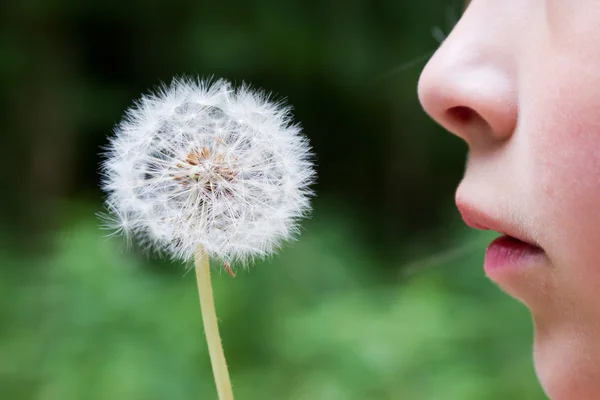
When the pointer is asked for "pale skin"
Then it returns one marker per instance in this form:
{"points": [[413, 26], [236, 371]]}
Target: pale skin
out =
{"points": [[519, 82]]}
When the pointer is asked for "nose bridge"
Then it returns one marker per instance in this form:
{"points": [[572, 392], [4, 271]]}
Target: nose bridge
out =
{"points": [[469, 85]]}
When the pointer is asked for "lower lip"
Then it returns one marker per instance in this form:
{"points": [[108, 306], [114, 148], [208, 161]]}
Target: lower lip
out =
{"points": [[507, 251]]}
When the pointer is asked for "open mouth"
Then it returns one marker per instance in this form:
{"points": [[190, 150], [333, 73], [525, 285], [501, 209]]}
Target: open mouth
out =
{"points": [[512, 248]]}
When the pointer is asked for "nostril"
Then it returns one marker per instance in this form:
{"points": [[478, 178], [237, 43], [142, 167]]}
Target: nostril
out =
{"points": [[461, 114], [467, 123]]}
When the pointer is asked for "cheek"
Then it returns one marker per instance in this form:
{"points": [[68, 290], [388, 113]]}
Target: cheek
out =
{"points": [[561, 141], [564, 148]]}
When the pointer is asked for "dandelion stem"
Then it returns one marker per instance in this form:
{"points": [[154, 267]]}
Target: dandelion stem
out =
{"points": [[211, 327]]}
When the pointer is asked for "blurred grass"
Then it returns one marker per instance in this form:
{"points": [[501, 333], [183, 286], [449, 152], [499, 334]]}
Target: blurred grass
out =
{"points": [[90, 321]]}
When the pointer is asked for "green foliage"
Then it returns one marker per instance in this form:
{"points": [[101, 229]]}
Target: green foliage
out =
{"points": [[89, 321]]}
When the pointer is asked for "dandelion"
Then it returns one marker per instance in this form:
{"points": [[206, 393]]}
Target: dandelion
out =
{"points": [[203, 170]]}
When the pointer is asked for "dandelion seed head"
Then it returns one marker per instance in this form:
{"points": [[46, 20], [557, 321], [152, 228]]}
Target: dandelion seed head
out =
{"points": [[200, 163]]}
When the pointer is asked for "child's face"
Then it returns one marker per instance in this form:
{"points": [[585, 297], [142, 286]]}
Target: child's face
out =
{"points": [[519, 81]]}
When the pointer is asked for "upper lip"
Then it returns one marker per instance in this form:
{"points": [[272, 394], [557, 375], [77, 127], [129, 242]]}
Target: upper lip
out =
{"points": [[478, 219]]}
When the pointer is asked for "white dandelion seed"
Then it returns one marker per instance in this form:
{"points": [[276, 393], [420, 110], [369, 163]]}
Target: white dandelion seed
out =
{"points": [[203, 164]]}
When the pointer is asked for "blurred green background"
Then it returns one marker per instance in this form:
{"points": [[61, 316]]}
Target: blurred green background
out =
{"points": [[383, 296]]}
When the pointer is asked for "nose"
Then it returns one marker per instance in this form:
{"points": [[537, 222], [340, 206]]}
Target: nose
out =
{"points": [[468, 86]]}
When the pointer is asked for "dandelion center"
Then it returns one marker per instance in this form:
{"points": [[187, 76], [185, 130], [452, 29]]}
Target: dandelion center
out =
{"points": [[207, 170]]}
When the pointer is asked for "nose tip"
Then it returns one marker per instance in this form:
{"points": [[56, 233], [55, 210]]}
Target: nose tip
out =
{"points": [[472, 97]]}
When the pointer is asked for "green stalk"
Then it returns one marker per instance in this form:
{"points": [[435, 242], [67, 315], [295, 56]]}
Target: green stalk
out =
{"points": [[211, 327]]}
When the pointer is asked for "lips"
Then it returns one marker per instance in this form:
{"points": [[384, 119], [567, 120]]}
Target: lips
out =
{"points": [[507, 254], [477, 219], [507, 251]]}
